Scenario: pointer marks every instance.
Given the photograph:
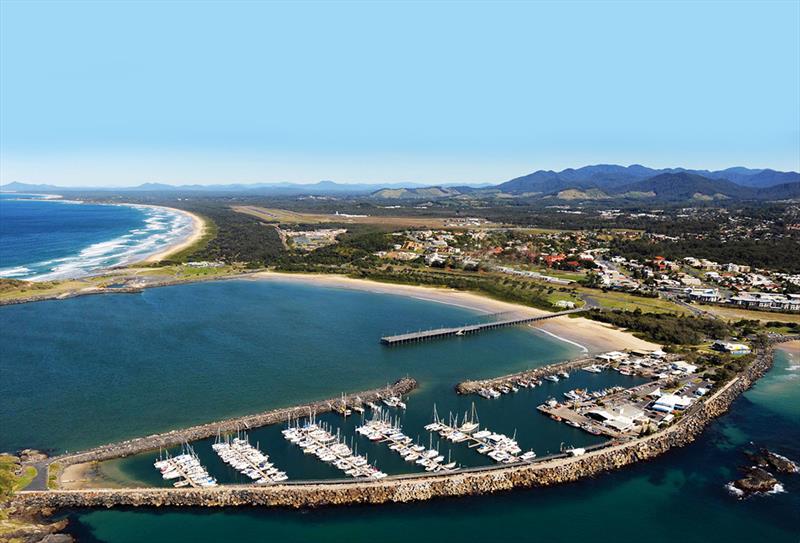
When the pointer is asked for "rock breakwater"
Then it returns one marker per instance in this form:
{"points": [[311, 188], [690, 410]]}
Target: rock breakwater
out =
{"points": [[202, 431], [418, 487]]}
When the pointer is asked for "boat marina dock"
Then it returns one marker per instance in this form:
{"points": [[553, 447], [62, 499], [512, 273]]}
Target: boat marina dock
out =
{"points": [[498, 447], [248, 460], [567, 466], [550, 372], [316, 439], [389, 398], [186, 468], [383, 430], [178, 437]]}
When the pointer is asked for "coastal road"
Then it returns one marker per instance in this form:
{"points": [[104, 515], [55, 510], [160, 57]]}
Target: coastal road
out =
{"points": [[40, 481], [694, 310]]}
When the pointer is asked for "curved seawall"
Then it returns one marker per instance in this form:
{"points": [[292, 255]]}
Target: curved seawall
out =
{"points": [[419, 487]]}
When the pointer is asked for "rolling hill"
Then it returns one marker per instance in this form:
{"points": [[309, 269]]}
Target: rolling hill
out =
{"points": [[610, 178], [595, 182]]}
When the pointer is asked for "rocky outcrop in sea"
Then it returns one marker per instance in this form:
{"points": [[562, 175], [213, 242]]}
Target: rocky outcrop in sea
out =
{"points": [[758, 477]]}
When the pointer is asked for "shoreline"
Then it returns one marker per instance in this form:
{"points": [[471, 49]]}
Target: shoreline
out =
{"points": [[588, 335], [198, 230], [791, 347], [591, 337]]}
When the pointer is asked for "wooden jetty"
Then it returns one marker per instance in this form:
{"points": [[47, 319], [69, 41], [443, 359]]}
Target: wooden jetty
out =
{"points": [[439, 333]]}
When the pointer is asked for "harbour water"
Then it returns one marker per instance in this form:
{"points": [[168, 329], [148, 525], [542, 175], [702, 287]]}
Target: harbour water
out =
{"points": [[180, 355], [48, 238]]}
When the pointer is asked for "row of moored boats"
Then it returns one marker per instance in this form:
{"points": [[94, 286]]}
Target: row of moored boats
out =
{"points": [[185, 469], [382, 429], [316, 439], [248, 460], [499, 447], [516, 384], [583, 395]]}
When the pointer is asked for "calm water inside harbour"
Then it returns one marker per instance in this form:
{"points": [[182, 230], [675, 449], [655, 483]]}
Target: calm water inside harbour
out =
{"points": [[73, 378]]}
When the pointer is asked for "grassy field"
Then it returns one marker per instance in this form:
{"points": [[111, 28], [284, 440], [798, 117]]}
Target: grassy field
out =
{"points": [[10, 480], [11, 289], [629, 302], [178, 271], [53, 472], [560, 274], [733, 313], [285, 216], [28, 475]]}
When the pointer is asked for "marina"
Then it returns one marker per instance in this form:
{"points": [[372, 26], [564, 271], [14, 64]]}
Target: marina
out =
{"points": [[583, 411], [571, 465], [513, 416], [186, 469], [497, 446], [248, 460], [384, 430], [316, 439]]}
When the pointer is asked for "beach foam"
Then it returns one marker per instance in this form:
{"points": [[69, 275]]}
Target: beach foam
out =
{"points": [[160, 229], [19, 271]]}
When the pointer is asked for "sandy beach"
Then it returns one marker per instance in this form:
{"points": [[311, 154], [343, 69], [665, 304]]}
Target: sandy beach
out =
{"points": [[89, 475], [591, 335], [198, 229]]}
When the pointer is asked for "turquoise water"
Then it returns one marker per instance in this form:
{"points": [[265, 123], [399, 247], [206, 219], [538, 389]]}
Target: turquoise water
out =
{"points": [[43, 238], [74, 378]]}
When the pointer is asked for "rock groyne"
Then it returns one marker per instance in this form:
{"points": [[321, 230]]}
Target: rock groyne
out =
{"points": [[202, 431], [472, 387]]}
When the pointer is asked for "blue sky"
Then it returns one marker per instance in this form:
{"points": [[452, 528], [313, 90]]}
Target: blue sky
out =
{"points": [[114, 93]]}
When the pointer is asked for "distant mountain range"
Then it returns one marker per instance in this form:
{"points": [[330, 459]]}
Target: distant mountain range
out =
{"points": [[597, 182], [636, 182], [611, 176], [288, 189]]}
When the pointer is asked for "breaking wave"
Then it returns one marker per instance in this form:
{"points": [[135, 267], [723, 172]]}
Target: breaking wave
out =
{"points": [[161, 228]]}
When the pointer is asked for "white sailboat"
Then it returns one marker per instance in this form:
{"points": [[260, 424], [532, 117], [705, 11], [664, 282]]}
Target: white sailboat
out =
{"points": [[471, 424]]}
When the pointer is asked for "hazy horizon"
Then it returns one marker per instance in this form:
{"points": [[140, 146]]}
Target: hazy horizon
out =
{"points": [[376, 182]]}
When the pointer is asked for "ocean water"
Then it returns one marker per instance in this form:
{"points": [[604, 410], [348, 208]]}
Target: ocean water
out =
{"points": [[49, 238], [178, 355]]}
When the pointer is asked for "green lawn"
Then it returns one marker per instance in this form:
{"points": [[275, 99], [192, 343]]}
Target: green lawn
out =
{"points": [[53, 471], [10, 481], [629, 302], [28, 475], [734, 313]]}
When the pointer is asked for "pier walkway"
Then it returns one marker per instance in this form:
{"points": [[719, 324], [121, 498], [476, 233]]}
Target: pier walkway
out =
{"points": [[438, 333]]}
